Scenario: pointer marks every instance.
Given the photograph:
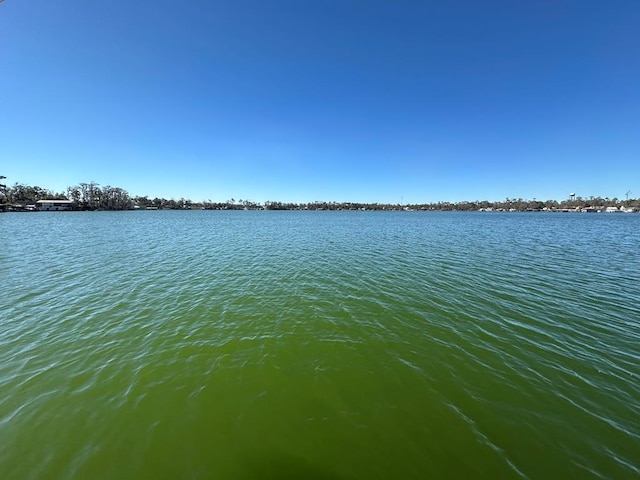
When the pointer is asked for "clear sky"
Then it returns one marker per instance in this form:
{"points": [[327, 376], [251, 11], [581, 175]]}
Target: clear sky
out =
{"points": [[370, 101]]}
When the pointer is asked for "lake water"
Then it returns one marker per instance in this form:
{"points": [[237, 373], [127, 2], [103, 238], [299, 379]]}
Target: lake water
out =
{"points": [[319, 345]]}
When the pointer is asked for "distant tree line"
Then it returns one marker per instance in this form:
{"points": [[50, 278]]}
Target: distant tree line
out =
{"points": [[21, 193], [86, 196], [509, 204], [90, 196]]}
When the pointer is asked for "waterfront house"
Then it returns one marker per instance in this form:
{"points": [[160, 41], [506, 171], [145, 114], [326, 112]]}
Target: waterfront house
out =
{"points": [[54, 205]]}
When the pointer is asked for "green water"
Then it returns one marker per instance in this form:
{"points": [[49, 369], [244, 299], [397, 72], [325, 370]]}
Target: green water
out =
{"points": [[319, 345]]}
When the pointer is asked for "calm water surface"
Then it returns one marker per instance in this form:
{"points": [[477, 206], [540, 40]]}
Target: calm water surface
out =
{"points": [[319, 345]]}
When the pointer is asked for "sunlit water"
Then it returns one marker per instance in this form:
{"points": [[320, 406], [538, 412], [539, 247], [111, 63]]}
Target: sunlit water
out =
{"points": [[319, 345]]}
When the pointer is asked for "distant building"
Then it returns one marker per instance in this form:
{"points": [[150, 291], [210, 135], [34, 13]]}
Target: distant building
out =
{"points": [[54, 205]]}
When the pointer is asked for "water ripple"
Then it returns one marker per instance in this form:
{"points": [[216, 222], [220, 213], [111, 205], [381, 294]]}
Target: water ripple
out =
{"points": [[378, 344]]}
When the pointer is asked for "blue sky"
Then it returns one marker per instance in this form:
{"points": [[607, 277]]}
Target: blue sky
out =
{"points": [[371, 101]]}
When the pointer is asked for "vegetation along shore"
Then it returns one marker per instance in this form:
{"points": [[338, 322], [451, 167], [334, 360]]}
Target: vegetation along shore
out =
{"points": [[91, 196]]}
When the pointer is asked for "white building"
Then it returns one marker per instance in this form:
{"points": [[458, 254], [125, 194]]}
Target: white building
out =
{"points": [[54, 205]]}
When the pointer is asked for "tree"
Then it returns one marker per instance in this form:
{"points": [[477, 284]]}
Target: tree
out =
{"points": [[142, 202], [3, 191], [115, 198], [89, 196], [73, 194]]}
